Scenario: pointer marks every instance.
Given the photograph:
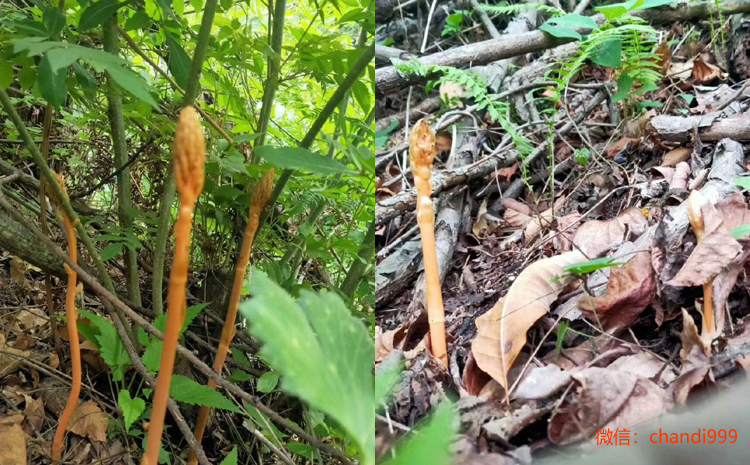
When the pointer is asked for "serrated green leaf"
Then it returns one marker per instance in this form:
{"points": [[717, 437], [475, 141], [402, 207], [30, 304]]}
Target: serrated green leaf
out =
{"points": [[231, 458], [52, 84], [131, 408], [96, 14], [61, 58], [110, 345], [268, 381], [322, 352], [55, 21], [111, 251], [6, 73], [431, 443], [188, 391], [559, 31], [609, 53], [132, 83], [179, 62], [301, 159]]}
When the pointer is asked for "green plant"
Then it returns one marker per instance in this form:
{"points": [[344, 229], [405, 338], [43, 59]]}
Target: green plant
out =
{"points": [[454, 22], [582, 157], [562, 330]]}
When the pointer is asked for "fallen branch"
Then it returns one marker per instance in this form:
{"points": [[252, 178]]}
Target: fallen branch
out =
{"points": [[710, 128], [388, 79]]}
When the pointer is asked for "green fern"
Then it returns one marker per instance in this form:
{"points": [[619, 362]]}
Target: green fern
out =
{"points": [[515, 9], [475, 89]]}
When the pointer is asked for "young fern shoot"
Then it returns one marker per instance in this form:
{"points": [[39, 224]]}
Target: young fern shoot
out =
{"points": [[421, 156], [258, 203], [189, 153], [72, 316]]}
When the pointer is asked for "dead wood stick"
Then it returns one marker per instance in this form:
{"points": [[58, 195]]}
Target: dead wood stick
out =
{"points": [[388, 79], [710, 127]]}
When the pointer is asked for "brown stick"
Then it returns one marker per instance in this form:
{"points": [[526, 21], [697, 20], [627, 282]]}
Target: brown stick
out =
{"points": [[258, 203]]}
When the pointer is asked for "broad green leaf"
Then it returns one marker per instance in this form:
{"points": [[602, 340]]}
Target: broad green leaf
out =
{"points": [[188, 391], [687, 98], [245, 138], [6, 73], [110, 345], [743, 182], [179, 62], [61, 58], [322, 352], [179, 7], [55, 21], [231, 458], [609, 53], [574, 21], [387, 374], [111, 251], [27, 77], [624, 85], [131, 408], [562, 32], [430, 445], [239, 376], [132, 83], [303, 450], [614, 11], [86, 80], [29, 27], [239, 357], [268, 381], [300, 159], [139, 20], [96, 14], [52, 84]]}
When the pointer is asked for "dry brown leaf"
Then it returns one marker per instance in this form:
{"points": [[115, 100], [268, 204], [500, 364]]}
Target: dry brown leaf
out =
{"points": [[31, 318], [662, 172], [537, 225], [696, 364], [12, 445], [677, 155], [704, 73], [626, 144], [733, 211], [450, 90], [501, 332], [88, 420], [597, 236], [541, 382], [680, 177], [710, 257], [516, 213], [385, 342], [34, 413], [665, 55], [443, 143], [504, 174], [481, 224], [629, 291], [610, 399], [9, 363], [681, 71]]}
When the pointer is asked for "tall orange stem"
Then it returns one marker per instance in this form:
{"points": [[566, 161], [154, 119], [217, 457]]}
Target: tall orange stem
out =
{"points": [[189, 159], [421, 156], [75, 351], [258, 203]]}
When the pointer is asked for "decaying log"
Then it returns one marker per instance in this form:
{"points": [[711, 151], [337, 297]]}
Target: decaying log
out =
{"points": [[383, 54], [22, 243], [388, 79], [416, 112], [711, 127]]}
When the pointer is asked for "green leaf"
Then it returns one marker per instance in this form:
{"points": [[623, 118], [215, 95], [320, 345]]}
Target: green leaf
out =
{"points": [[61, 58], [741, 231], [179, 62], [574, 21], [381, 137], [6, 73], [231, 458], [614, 11], [110, 345], [268, 381], [590, 266], [558, 31], [139, 20], [431, 443], [609, 53], [743, 182], [27, 77], [52, 84], [239, 376], [239, 357], [96, 14], [582, 156], [132, 83], [188, 391], [111, 251], [55, 21], [245, 138], [624, 85], [301, 159], [687, 98], [86, 80], [131, 408], [387, 374], [303, 450], [323, 353]]}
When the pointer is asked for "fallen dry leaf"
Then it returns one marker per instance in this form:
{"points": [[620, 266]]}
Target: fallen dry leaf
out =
{"points": [[516, 213], [443, 143], [629, 291], [710, 257], [696, 365], [541, 382], [501, 332], [664, 52], [680, 177], [88, 420], [704, 73], [681, 71], [12, 445], [597, 236], [18, 271], [626, 144], [386, 341], [34, 413], [610, 399], [677, 155], [11, 359], [504, 174], [481, 224]]}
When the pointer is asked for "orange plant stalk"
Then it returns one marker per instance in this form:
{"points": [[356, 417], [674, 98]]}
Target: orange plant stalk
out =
{"points": [[189, 153], [72, 316], [258, 203], [421, 155], [695, 217]]}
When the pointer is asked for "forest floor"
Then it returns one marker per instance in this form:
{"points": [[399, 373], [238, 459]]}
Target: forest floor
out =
{"points": [[581, 304]]}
